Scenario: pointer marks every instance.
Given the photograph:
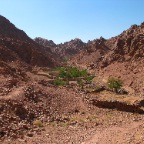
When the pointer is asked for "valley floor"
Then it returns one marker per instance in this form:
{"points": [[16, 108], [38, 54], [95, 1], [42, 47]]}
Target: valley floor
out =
{"points": [[116, 128], [72, 117]]}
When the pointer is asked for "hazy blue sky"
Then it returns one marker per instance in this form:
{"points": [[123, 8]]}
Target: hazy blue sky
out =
{"points": [[63, 20]]}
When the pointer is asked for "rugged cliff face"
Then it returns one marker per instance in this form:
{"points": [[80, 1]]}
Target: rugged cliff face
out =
{"points": [[126, 60], [121, 56], [129, 45], [15, 45]]}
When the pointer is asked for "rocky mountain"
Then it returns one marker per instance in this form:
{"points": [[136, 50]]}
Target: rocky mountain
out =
{"points": [[45, 42], [7, 29], [129, 45], [92, 53], [15, 45], [121, 56], [64, 50], [71, 48]]}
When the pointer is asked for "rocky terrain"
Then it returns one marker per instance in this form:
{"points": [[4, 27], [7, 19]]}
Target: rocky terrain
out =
{"points": [[45, 42], [71, 48], [64, 50], [120, 56], [15, 45], [47, 96]]}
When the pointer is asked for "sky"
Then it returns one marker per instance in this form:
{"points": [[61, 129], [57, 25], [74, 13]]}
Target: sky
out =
{"points": [[63, 20]]}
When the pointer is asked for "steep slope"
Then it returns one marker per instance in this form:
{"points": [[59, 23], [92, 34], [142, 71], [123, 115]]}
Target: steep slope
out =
{"points": [[126, 60], [121, 56], [7, 29], [129, 45], [92, 53], [15, 45]]}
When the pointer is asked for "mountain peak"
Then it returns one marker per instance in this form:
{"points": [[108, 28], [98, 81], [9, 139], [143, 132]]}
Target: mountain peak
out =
{"points": [[7, 29], [44, 42]]}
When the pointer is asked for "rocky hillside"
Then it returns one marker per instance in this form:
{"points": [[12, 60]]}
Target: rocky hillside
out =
{"points": [[44, 42], [7, 29], [15, 45], [92, 53], [126, 47], [121, 56], [71, 48], [65, 50]]}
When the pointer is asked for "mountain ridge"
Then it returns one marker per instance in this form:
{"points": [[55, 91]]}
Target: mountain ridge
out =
{"points": [[15, 43]]}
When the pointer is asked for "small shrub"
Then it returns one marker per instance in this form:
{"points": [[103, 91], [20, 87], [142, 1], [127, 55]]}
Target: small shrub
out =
{"points": [[59, 82], [114, 84], [62, 73], [38, 123], [72, 72]]}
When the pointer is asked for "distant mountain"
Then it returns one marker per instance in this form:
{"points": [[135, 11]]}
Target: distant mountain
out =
{"points": [[45, 42], [65, 50], [71, 48]]}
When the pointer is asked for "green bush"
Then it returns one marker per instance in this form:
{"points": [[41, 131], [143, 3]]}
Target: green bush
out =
{"points": [[59, 82], [72, 72], [38, 123], [114, 84], [62, 72], [66, 74]]}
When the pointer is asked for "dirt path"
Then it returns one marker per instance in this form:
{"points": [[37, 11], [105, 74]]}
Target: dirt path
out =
{"points": [[127, 134], [132, 133]]}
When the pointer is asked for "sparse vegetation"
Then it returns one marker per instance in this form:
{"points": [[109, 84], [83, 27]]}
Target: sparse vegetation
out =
{"points": [[66, 74], [114, 84], [38, 123], [59, 82], [72, 72]]}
